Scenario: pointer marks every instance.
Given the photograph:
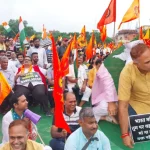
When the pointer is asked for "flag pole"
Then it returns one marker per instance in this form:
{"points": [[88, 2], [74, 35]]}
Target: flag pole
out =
{"points": [[13, 32], [139, 20], [114, 32]]}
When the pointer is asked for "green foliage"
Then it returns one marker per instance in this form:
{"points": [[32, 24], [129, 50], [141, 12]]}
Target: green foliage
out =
{"points": [[29, 30]]}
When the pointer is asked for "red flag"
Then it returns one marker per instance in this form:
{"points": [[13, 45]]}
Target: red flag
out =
{"points": [[109, 15], [58, 91], [89, 50], [64, 65]]}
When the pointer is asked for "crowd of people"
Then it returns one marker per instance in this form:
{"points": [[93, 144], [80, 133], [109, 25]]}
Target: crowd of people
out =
{"points": [[31, 78]]}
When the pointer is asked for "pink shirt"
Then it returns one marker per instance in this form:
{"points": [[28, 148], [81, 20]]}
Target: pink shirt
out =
{"points": [[103, 87]]}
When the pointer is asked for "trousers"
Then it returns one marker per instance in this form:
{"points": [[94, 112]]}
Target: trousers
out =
{"points": [[38, 93]]}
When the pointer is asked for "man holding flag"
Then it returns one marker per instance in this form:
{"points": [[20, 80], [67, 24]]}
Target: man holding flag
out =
{"points": [[6, 83], [71, 116]]}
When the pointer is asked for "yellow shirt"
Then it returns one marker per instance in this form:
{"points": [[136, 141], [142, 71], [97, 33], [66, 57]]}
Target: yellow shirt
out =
{"points": [[135, 88], [2, 46], [91, 76], [31, 145]]}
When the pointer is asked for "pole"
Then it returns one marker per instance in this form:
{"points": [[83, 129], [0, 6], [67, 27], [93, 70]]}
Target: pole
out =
{"points": [[40, 138], [114, 32], [139, 19], [13, 32]]}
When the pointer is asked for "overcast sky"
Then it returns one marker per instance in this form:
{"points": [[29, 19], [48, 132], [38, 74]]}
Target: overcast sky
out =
{"points": [[68, 15]]}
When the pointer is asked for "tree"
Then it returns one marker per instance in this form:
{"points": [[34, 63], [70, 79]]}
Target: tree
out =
{"points": [[29, 31]]}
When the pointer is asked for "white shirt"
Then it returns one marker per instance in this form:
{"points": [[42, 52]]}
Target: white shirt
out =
{"points": [[7, 119], [15, 62], [41, 55], [12, 67], [82, 75]]}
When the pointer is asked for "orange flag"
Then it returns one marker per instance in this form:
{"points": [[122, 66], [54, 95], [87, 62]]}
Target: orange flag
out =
{"points": [[82, 37], [141, 33], [74, 42], [5, 88], [44, 34], [65, 61], [58, 91], [103, 32], [132, 13], [109, 15], [83, 33], [16, 37], [89, 50]]}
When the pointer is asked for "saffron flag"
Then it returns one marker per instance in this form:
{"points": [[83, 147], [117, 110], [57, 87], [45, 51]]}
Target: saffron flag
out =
{"points": [[23, 39], [65, 61], [141, 33], [147, 35], [5, 88], [103, 32], [109, 15], [32, 37], [16, 37], [132, 13], [44, 34], [58, 91], [74, 42], [82, 37], [59, 38], [89, 49], [6, 26], [83, 33]]}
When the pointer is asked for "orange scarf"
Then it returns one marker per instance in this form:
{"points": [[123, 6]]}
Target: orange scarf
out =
{"points": [[22, 69]]}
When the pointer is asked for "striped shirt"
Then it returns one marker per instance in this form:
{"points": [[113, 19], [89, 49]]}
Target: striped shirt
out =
{"points": [[49, 55], [72, 120]]}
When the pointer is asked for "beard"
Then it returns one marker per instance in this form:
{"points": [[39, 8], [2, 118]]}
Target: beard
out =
{"points": [[37, 46]]}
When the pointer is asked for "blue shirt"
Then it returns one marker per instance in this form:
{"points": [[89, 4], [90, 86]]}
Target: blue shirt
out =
{"points": [[77, 140]]}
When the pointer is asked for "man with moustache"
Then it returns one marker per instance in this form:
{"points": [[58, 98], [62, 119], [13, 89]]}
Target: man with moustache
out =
{"points": [[18, 138], [19, 105], [71, 116], [87, 136], [41, 53]]}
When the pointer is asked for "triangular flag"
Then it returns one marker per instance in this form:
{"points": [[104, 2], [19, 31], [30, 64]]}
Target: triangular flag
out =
{"points": [[58, 91], [82, 37], [83, 33], [32, 37], [103, 32], [132, 13], [16, 37], [109, 14], [74, 42], [5, 88], [65, 61], [89, 50], [147, 35], [44, 34], [6, 26]]}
